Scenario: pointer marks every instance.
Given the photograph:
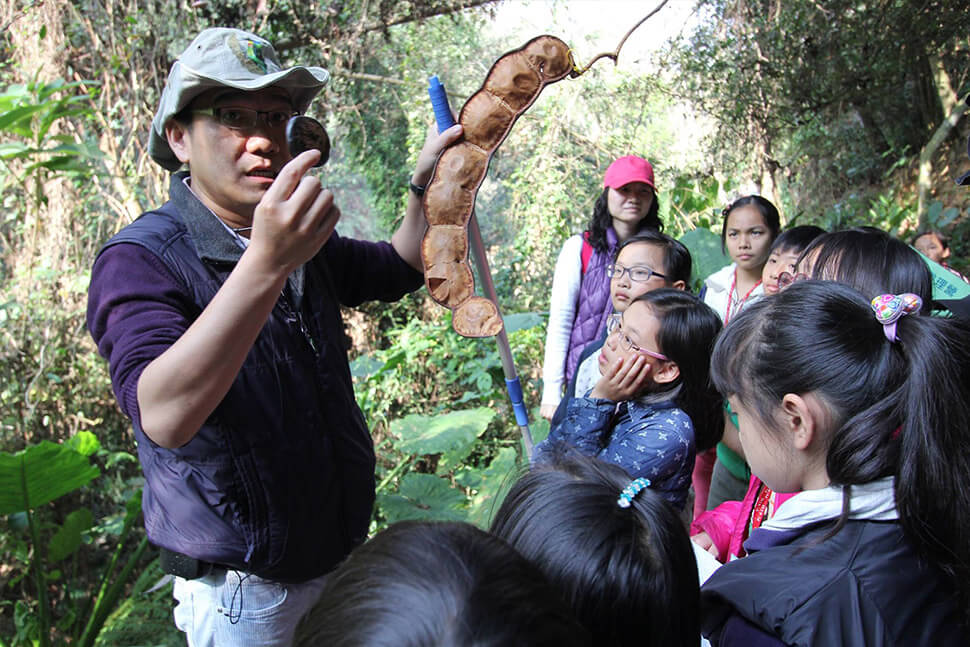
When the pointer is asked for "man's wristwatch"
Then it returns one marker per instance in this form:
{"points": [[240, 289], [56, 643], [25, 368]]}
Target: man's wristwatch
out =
{"points": [[416, 190]]}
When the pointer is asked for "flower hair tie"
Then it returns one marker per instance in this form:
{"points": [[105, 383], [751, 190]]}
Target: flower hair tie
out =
{"points": [[890, 307], [630, 491]]}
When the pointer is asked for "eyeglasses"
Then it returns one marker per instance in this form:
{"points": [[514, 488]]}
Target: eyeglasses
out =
{"points": [[787, 278], [614, 325], [638, 273], [247, 118]]}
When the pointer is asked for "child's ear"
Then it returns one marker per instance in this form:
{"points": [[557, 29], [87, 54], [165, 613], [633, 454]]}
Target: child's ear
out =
{"points": [[946, 252], [801, 418], [666, 372]]}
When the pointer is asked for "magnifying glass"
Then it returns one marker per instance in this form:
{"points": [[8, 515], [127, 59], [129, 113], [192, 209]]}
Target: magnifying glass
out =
{"points": [[305, 133]]}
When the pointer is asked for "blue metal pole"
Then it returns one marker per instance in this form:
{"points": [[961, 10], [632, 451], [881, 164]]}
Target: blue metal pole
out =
{"points": [[445, 120]]}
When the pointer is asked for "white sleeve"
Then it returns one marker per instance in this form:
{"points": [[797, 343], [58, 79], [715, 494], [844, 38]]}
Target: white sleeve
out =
{"points": [[562, 312]]}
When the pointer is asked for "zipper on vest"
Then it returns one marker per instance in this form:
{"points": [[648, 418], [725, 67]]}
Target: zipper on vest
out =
{"points": [[294, 315]]}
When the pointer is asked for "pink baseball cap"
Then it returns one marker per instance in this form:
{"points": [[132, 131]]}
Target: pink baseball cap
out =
{"points": [[629, 168]]}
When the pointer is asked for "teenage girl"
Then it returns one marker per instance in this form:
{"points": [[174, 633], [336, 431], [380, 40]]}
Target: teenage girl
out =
{"points": [[580, 299], [646, 261], [861, 409], [750, 226], [615, 550], [654, 401]]}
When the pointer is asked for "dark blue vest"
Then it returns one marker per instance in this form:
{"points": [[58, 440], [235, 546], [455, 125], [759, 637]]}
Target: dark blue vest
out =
{"points": [[280, 479]]}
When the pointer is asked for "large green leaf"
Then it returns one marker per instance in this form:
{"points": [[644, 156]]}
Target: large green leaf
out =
{"points": [[705, 251], [423, 496], [16, 115], [365, 366], [451, 434], [522, 321], [40, 474], [491, 485], [67, 539]]}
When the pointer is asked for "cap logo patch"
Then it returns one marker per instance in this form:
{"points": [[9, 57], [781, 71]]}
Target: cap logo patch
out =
{"points": [[250, 54]]}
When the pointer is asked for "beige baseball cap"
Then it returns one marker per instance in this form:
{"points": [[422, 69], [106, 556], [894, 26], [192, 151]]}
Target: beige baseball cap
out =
{"points": [[231, 58]]}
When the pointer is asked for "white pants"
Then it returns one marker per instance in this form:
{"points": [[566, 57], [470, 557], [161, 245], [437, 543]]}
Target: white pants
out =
{"points": [[229, 608]]}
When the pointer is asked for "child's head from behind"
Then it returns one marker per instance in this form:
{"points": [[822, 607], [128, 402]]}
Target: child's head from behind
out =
{"points": [[871, 261], [751, 224], [682, 329], [628, 573], [785, 252], [933, 245], [823, 388], [647, 261], [816, 340], [438, 584]]}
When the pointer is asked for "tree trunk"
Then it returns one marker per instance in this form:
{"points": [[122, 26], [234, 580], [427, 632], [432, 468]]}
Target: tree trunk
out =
{"points": [[926, 160], [37, 37]]}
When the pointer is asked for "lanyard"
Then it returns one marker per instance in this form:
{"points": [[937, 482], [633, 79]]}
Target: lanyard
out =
{"points": [[733, 290], [762, 506]]}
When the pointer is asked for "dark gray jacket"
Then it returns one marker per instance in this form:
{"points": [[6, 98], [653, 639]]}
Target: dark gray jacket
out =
{"points": [[863, 586]]}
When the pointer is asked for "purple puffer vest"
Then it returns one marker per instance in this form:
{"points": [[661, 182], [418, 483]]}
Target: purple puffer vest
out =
{"points": [[594, 306]]}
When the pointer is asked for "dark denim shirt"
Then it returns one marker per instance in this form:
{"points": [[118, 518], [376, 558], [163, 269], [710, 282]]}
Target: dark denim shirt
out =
{"points": [[655, 440]]}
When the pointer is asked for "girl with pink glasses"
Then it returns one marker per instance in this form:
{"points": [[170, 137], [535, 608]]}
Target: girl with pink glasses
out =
{"points": [[653, 393]]}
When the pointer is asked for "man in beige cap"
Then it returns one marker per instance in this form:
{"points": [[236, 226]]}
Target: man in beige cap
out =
{"points": [[219, 316]]}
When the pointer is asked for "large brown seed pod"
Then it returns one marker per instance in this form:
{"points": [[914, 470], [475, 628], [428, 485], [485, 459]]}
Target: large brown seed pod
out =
{"points": [[511, 86]]}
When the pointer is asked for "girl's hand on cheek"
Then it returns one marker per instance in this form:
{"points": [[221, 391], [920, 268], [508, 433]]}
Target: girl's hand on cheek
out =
{"points": [[623, 380]]}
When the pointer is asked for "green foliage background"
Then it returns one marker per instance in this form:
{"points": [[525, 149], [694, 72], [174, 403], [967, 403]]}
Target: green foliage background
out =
{"points": [[824, 106]]}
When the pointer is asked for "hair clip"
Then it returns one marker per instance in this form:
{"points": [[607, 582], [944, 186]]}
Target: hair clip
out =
{"points": [[890, 307], [630, 491]]}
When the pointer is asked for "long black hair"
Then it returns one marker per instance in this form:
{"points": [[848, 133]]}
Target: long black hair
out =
{"points": [[768, 211], [601, 220], [688, 329], [446, 584], [871, 261], [897, 408], [628, 573]]}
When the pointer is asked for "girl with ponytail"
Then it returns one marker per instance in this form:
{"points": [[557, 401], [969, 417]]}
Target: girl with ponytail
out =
{"points": [[861, 407]]}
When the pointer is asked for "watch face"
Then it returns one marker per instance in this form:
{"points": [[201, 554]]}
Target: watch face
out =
{"points": [[304, 133]]}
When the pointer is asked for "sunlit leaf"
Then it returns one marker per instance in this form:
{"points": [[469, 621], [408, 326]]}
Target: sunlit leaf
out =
{"points": [[451, 434], [522, 321], [11, 117], [41, 473], [365, 366], [84, 443]]}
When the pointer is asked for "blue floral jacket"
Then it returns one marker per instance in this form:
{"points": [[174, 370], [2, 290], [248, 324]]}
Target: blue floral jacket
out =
{"points": [[655, 441]]}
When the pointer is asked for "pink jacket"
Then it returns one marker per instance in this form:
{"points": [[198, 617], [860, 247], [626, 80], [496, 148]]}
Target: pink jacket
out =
{"points": [[727, 524]]}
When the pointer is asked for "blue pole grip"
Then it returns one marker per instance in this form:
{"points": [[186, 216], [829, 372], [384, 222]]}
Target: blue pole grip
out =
{"points": [[439, 102], [514, 387]]}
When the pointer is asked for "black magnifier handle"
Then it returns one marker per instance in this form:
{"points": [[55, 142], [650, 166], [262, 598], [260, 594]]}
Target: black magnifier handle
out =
{"points": [[304, 133]]}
